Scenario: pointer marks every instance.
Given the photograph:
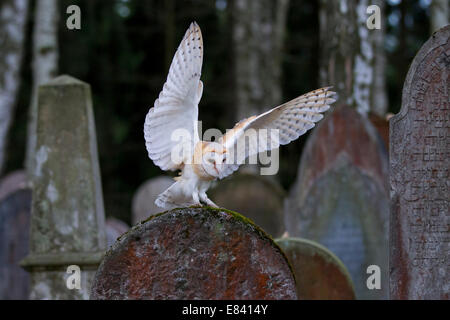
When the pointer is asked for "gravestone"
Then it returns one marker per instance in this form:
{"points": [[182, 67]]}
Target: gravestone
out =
{"points": [[340, 198], [16, 180], [67, 220], [114, 229], [143, 204], [195, 253], [254, 196], [382, 126], [419, 164], [14, 244], [319, 274]]}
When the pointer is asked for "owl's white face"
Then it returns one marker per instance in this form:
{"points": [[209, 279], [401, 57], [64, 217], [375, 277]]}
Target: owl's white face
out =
{"points": [[213, 161]]}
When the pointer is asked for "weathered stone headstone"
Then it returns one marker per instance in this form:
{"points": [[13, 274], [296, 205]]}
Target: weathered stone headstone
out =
{"points": [[195, 253], [12, 182], [254, 196], [114, 229], [14, 243], [382, 126], [67, 221], [319, 274], [143, 205], [419, 164], [341, 197]]}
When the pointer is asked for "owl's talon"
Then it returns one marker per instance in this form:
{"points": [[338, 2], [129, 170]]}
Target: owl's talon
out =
{"points": [[204, 198]]}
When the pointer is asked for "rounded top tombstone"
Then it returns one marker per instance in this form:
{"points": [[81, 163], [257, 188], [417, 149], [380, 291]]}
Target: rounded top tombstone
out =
{"points": [[15, 212], [419, 177], [195, 253], [114, 229], [256, 197], [12, 182], [143, 204], [320, 275]]}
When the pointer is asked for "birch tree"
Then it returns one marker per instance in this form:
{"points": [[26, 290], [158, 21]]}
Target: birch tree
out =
{"points": [[258, 33], [13, 17], [45, 61], [352, 56]]}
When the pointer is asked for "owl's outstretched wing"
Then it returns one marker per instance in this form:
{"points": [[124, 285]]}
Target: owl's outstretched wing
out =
{"points": [[282, 125], [176, 110]]}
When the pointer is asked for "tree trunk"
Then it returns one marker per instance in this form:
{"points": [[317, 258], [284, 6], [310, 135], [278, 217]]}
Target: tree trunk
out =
{"points": [[379, 96], [45, 62], [258, 32], [352, 56], [439, 11], [169, 31], [13, 17]]}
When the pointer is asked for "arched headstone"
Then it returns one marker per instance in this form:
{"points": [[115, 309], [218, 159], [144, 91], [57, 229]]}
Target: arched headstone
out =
{"points": [[319, 274], [254, 196], [114, 229], [419, 166], [14, 244], [143, 205], [195, 253], [16, 180], [341, 197]]}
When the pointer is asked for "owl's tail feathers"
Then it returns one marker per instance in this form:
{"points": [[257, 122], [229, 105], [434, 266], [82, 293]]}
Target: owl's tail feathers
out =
{"points": [[173, 197]]}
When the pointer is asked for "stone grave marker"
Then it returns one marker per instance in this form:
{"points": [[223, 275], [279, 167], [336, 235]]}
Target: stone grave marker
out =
{"points": [[254, 196], [195, 253], [319, 274], [16, 180], [382, 126], [67, 220], [143, 204], [14, 244], [341, 196], [419, 166], [114, 229]]}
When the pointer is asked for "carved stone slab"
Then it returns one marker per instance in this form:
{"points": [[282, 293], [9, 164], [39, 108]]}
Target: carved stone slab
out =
{"points": [[255, 197], [319, 274], [341, 197], [195, 253], [419, 164], [15, 211], [13, 182], [67, 220], [143, 205], [114, 229]]}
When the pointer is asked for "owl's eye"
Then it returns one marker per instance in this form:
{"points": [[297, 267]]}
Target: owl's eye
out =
{"points": [[212, 161]]}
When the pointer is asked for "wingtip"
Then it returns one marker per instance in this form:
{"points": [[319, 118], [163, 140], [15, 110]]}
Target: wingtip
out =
{"points": [[194, 25]]}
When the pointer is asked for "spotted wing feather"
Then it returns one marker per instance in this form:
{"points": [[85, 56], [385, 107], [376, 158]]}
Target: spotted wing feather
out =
{"points": [[177, 105], [283, 124]]}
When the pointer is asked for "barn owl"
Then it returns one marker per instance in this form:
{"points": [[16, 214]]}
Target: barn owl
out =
{"points": [[201, 162]]}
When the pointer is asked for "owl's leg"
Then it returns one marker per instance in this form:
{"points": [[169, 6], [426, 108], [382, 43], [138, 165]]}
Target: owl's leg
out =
{"points": [[196, 198], [204, 198]]}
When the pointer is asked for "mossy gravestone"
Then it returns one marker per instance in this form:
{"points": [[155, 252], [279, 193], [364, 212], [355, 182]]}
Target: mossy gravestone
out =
{"points": [[195, 253], [143, 204], [419, 164], [341, 200], [114, 229], [319, 274], [15, 211], [67, 220], [254, 196]]}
